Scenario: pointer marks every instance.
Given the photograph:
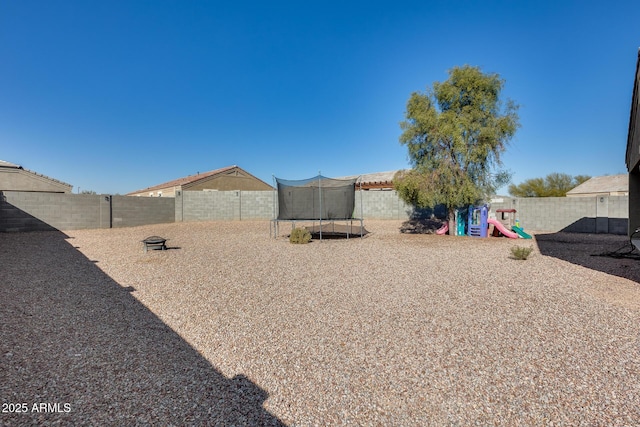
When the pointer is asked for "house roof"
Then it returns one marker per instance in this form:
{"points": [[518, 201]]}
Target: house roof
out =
{"points": [[375, 178], [5, 164], [9, 165], [602, 184], [191, 179]]}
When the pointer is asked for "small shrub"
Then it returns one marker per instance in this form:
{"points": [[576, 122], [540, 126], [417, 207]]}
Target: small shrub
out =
{"points": [[521, 253], [300, 235]]}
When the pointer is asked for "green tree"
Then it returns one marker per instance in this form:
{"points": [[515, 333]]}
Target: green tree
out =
{"points": [[455, 134], [553, 185]]}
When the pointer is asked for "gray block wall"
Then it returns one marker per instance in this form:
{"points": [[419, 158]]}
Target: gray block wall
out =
{"points": [[618, 214], [243, 205], [210, 205], [32, 211], [36, 211], [601, 214], [133, 211], [549, 214], [223, 205], [27, 211], [257, 204], [381, 205]]}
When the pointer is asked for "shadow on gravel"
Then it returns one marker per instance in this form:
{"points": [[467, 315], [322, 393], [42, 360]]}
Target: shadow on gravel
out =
{"points": [[77, 348], [599, 252], [421, 225]]}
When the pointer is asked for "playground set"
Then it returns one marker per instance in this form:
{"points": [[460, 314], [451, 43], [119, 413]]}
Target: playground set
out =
{"points": [[477, 222]]}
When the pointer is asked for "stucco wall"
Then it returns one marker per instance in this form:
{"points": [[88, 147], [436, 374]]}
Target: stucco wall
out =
{"points": [[14, 179], [229, 182]]}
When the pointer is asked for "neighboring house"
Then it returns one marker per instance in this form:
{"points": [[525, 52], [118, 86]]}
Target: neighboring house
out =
{"points": [[374, 181], [223, 179], [16, 178], [633, 154], [610, 185]]}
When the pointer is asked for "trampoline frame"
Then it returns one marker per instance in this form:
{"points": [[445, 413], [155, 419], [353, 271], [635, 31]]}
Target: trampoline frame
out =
{"points": [[274, 224]]}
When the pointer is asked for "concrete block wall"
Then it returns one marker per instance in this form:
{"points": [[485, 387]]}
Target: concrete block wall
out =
{"points": [[35, 211], [557, 213], [28, 211], [618, 214], [133, 211], [381, 205], [209, 205], [223, 205], [602, 214], [257, 204], [619, 207], [239, 205], [550, 214]]}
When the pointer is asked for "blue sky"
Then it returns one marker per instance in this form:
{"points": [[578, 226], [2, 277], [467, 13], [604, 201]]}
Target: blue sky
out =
{"points": [[121, 95]]}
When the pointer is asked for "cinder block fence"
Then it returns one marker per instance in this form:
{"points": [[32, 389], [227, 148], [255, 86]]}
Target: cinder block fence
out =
{"points": [[34, 211], [29, 211], [597, 214]]}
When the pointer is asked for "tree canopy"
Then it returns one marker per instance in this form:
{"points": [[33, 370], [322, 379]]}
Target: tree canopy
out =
{"points": [[553, 185], [455, 133]]}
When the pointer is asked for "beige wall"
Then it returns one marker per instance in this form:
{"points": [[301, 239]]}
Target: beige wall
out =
{"points": [[226, 181], [161, 192], [229, 183], [13, 179]]}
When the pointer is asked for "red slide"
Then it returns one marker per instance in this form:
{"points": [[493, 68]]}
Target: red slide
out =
{"points": [[500, 227]]}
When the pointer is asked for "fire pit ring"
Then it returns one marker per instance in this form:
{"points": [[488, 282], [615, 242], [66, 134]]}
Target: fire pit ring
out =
{"points": [[155, 242]]}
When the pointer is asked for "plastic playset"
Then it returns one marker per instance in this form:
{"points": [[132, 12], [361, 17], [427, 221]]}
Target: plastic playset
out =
{"points": [[476, 223]]}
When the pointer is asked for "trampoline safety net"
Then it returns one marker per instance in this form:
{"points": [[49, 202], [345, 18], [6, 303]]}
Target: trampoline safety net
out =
{"points": [[316, 198]]}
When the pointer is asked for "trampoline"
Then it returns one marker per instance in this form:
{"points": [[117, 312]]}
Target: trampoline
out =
{"points": [[320, 200]]}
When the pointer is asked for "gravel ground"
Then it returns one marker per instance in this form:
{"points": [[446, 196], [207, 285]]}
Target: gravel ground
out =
{"points": [[232, 327]]}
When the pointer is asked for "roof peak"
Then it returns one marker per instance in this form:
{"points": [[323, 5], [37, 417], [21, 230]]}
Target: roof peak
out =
{"points": [[4, 163], [187, 179]]}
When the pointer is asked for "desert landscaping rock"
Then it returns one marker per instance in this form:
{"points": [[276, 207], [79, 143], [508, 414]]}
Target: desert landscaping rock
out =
{"points": [[231, 327]]}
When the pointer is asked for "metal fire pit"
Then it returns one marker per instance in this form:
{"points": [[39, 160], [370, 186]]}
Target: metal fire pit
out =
{"points": [[155, 242]]}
